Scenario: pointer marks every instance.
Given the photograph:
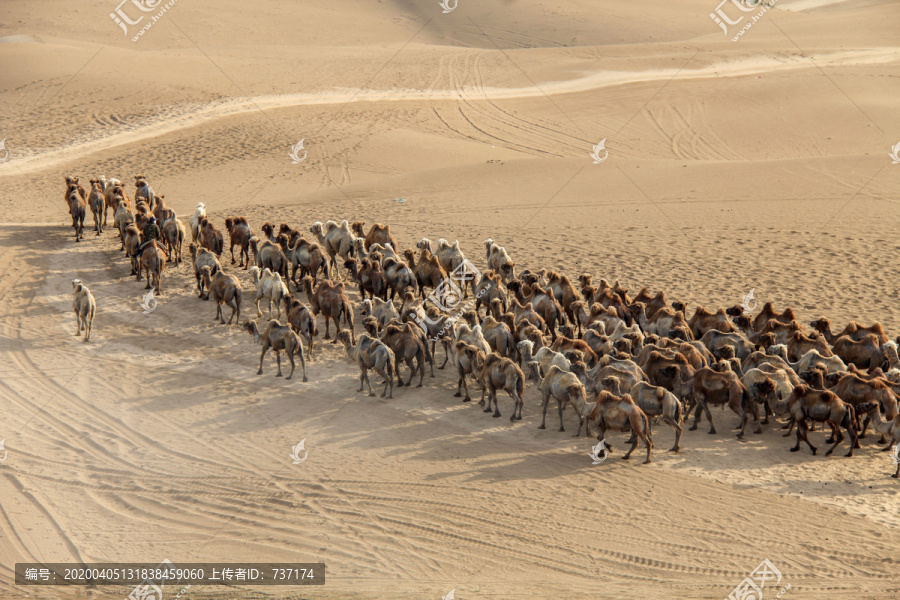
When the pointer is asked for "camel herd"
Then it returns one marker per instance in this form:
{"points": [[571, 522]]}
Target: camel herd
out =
{"points": [[620, 361]]}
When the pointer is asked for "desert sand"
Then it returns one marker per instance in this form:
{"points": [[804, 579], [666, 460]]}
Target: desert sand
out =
{"points": [[759, 164]]}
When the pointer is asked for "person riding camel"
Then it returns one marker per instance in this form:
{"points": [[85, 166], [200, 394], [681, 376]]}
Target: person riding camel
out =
{"points": [[151, 232]]}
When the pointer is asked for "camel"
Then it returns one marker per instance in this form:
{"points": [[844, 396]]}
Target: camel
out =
{"points": [[143, 191], [703, 321], [132, 244], [407, 347], [889, 429], [498, 260], [268, 231], [463, 355], [451, 259], [224, 289], [526, 313], [370, 353], [269, 255], [542, 302], [663, 320], [428, 272], [563, 292], [799, 344], [563, 343], [85, 306], [499, 337], [239, 234], [369, 276], [655, 401], [77, 208], [768, 313], [496, 372], [122, 218], [270, 286], [301, 321], [565, 388], [199, 215], [543, 359], [823, 406], [620, 413], [781, 383], [202, 258], [399, 276], [279, 338], [72, 184], [337, 239], [383, 310], [110, 198], [856, 391], [712, 387], [853, 329], [331, 300], [309, 258], [153, 261], [714, 339], [96, 200], [160, 210], [864, 353], [210, 237], [809, 360], [618, 377], [433, 323], [378, 234], [174, 232], [488, 289]]}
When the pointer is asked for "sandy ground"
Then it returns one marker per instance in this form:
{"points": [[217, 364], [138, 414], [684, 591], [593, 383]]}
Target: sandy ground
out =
{"points": [[761, 164]]}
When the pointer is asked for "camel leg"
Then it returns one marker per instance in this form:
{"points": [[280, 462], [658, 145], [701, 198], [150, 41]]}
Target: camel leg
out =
{"points": [[897, 474], [232, 253], [262, 354], [497, 404], [633, 446], [802, 429], [388, 381], [290, 354], [235, 310], [698, 413], [678, 431], [839, 438], [368, 383], [327, 325], [421, 371], [362, 374], [712, 428], [545, 401], [278, 356], [220, 317], [649, 443], [561, 406], [302, 362], [446, 354]]}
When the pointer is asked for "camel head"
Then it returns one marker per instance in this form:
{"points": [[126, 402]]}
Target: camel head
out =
{"points": [[357, 228], [255, 274], [734, 311], [343, 337], [370, 325], [779, 350], [471, 317], [268, 229], [252, 328], [365, 307]]}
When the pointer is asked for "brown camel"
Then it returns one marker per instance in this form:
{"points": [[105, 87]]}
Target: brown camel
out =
{"points": [[224, 289], [210, 237], [77, 208], [369, 276], [620, 414], [153, 261], [428, 272], [331, 300], [239, 234], [496, 372], [370, 353], [865, 353], [853, 329], [407, 347], [301, 321], [565, 388], [823, 406], [708, 386], [279, 338], [768, 313]]}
